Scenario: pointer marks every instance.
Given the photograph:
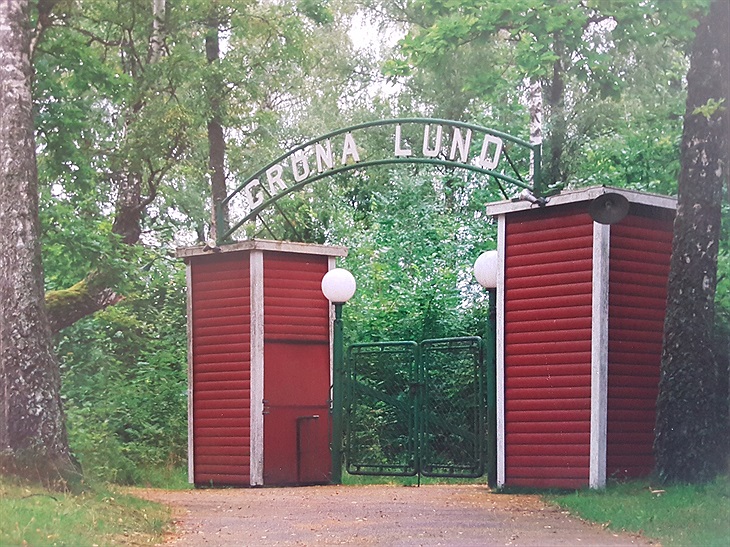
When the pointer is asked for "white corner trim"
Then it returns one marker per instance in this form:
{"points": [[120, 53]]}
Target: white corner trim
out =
{"points": [[189, 306], [256, 273], [501, 250], [599, 355]]}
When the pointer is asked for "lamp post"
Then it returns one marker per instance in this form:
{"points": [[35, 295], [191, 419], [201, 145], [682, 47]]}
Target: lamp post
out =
{"points": [[485, 270], [338, 286]]}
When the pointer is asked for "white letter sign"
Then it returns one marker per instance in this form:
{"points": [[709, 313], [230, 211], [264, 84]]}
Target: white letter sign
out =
{"points": [[254, 200], [300, 158], [400, 152], [273, 177], [349, 149], [446, 143], [490, 163], [462, 144], [324, 156], [431, 152]]}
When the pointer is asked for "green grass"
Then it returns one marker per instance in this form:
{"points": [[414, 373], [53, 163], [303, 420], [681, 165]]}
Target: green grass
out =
{"points": [[684, 515], [169, 478], [361, 480], [32, 515]]}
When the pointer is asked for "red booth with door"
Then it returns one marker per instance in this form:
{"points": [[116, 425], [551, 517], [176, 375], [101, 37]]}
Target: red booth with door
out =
{"points": [[580, 309], [259, 347]]}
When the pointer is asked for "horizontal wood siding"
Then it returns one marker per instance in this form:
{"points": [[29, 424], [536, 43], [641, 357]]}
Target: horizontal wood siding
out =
{"points": [[295, 310], [548, 280], [638, 272], [297, 369], [221, 377]]}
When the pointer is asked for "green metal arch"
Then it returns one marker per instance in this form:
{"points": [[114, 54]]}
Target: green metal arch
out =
{"points": [[535, 149]]}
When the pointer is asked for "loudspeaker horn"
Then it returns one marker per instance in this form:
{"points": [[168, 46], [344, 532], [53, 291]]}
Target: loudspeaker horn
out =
{"points": [[609, 208]]}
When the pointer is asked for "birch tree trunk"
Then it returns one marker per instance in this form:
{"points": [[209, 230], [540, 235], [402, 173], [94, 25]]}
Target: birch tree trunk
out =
{"points": [[534, 107], [688, 431], [158, 30], [33, 439]]}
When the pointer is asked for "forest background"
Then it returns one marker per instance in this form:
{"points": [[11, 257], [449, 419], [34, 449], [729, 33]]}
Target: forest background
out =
{"points": [[147, 110]]}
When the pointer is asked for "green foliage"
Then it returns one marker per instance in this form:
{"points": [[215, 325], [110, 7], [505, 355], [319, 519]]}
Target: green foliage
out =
{"points": [[587, 56], [124, 380], [632, 141], [34, 516], [413, 257], [637, 160], [317, 11], [107, 114], [675, 515], [167, 477], [710, 108], [103, 111]]}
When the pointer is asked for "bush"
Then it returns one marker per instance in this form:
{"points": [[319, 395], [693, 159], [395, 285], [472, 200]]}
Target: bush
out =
{"points": [[124, 374]]}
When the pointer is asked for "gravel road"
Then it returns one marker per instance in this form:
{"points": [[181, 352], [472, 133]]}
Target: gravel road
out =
{"points": [[374, 515]]}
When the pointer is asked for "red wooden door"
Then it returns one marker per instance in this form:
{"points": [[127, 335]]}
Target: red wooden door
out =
{"points": [[296, 370], [296, 414]]}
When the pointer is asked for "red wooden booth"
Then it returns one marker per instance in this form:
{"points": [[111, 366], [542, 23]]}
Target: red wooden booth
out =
{"points": [[259, 339], [580, 308]]}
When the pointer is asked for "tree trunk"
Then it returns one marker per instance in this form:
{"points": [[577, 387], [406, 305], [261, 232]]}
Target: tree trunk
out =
{"points": [[216, 139], [688, 430], [158, 30], [128, 214], [556, 171], [96, 291], [33, 439], [534, 107]]}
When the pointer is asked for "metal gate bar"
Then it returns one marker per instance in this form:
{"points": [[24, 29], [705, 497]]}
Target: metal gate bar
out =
{"points": [[382, 433], [453, 414], [416, 409]]}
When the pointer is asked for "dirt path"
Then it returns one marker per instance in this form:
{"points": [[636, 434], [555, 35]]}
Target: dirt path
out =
{"points": [[374, 515]]}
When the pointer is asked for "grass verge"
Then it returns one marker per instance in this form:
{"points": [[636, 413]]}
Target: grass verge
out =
{"points": [[679, 515], [364, 480], [32, 515], [169, 478]]}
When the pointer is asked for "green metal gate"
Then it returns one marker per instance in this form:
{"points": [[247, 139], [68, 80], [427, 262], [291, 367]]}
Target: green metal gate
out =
{"points": [[416, 409]]}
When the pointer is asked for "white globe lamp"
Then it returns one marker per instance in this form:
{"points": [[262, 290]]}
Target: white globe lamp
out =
{"points": [[485, 269], [338, 285]]}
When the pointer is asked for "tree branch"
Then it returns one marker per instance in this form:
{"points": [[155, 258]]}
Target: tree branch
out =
{"points": [[66, 306], [45, 7]]}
